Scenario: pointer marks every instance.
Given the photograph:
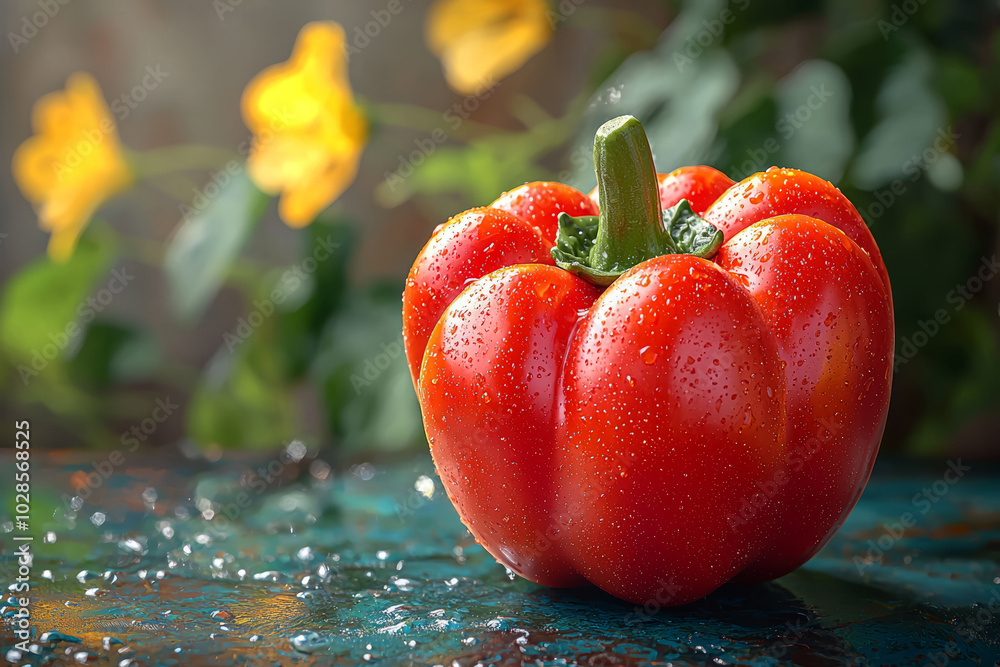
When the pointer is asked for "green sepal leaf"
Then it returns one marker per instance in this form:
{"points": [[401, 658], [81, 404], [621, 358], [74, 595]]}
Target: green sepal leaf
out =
{"points": [[572, 249], [687, 234], [691, 234]]}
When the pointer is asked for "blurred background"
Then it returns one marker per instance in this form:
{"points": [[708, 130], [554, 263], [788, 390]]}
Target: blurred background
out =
{"points": [[195, 312]]}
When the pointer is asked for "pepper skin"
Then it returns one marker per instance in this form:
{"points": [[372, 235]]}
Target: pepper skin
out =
{"points": [[701, 419], [541, 202]]}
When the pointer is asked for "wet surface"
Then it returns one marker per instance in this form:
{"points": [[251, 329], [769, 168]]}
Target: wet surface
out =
{"points": [[286, 561]]}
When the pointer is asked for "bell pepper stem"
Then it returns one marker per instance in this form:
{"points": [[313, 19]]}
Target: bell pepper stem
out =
{"points": [[630, 229]]}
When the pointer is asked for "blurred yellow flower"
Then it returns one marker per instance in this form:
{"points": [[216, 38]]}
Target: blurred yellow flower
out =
{"points": [[72, 164], [481, 41], [308, 132]]}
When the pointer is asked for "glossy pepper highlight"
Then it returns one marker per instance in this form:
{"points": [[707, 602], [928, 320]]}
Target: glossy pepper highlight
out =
{"points": [[685, 387]]}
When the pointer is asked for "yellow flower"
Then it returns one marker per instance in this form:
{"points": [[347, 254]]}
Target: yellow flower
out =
{"points": [[308, 132], [72, 164], [480, 42]]}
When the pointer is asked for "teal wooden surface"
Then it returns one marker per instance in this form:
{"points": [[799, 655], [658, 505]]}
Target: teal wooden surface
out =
{"points": [[287, 562]]}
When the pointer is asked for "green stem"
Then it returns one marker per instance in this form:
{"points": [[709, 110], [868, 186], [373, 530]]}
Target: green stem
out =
{"points": [[244, 274], [420, 118], [630, 228], [160, 161], [529, 112], [178, 186], [147, 251]]}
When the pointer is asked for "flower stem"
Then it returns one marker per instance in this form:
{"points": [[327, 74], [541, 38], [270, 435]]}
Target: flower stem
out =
{"points": [[160, 161], [420, 118]]}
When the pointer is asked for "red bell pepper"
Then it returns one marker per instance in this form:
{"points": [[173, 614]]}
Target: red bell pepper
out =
{"points": [[665, 397]]}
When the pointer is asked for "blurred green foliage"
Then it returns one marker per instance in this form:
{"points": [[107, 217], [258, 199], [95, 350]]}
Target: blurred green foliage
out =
{"points": [[895, 102]]}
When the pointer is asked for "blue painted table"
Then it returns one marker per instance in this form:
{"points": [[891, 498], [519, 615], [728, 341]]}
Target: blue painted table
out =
{"points": [[284, 561]]}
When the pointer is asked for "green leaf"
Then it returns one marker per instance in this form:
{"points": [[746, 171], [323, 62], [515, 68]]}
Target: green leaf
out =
{"points": [[692, 234], [477, 173], [44, 302], [960, 82], [814, 125], [573, 244], [299, 328], [678, 99], [113, 353], [240, 401], [207, 242], [912, 116], [366, 383], [688, 234]]}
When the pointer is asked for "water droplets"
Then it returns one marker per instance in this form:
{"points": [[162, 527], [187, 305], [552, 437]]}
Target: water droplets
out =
{"points": [[308, 642]]}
